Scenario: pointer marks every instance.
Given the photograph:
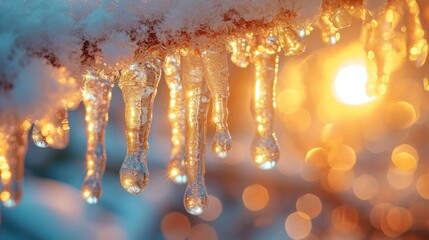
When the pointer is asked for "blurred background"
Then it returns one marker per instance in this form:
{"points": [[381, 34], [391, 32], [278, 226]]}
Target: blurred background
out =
{"points": [[351, 167]]}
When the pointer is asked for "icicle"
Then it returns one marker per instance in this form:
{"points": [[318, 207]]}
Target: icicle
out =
{"points": [[417, 44], [13, 147], [96, 96], [378, 37], [176, 114], [333, 18], [197, 102], [53, 130], [240, 48], [265, 151], [216, 75], [138, 85]]}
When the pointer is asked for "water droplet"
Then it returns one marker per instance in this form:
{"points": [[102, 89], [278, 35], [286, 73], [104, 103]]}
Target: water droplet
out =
{"points": [[38, 138], [134, 173], [91, 189], [222, 143], [196, 198], [265, 151]]}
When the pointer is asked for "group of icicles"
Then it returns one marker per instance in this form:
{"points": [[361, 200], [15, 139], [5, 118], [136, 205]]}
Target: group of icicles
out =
{"points": [[195, 77]]}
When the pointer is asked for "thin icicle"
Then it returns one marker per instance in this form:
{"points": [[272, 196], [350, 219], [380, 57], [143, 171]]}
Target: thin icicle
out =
{"points": [[216, 75], [265, 151], [53, 130], [138, 84], [378, 35], [417, 44], [96, 96], [289, 40], [13, 147], [197, 103], [176, 115]]}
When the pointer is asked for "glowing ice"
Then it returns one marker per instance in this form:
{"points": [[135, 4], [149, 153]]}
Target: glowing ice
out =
{"points": [[52, 130], [216, 75], [265, 151], [417, 44], [96, 96], [138, 84], [13, 147], [176, 114], [197, 102]]}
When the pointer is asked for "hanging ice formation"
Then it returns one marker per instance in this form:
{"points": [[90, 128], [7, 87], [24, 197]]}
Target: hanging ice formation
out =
{"points": [[195, 67]]}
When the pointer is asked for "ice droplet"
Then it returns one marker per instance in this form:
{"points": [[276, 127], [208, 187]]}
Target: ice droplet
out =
{"points": [[96, 95], [176, 115], [265, 151], [13, 147], [216, 74], [138, 84], [195, 199], [53, 130]]}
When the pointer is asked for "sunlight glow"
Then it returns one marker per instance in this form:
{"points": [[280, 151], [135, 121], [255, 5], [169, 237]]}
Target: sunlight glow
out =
{"points": [[350, 85]]}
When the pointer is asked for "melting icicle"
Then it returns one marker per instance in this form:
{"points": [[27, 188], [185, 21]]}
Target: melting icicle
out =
{"points": [[265, 151], [138, 85], [197, 102], [333, 18], [417, 44], [96, 96], [215, 63], [176, 114], [13, 147], [378, 37], [53, 130]]}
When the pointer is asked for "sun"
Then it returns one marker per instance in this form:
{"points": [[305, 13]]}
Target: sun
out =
{"points": [[350, 85]]}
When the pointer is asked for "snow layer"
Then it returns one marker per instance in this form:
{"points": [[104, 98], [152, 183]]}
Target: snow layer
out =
{"points": [[39, 36]]}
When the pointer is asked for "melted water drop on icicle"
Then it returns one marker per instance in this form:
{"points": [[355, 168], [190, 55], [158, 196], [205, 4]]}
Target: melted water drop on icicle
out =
{"points": [[138, 84], [265, 151], [216, 73], [197, 103], [53, 130], [13, 147], [96, 95], [176, 115]]}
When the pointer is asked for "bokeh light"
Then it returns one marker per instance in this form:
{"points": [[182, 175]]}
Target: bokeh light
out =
{"points": [[309, 204], [175, 226], [298, 225], [255, 197]]}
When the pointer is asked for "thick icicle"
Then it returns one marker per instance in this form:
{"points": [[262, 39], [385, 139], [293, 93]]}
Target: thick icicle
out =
{"points": [[13, 147], [96, 96], [176, 115], [265, 151], [216, 75], [52, 130], [417, 44], [138, 84], [197, 102]]}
